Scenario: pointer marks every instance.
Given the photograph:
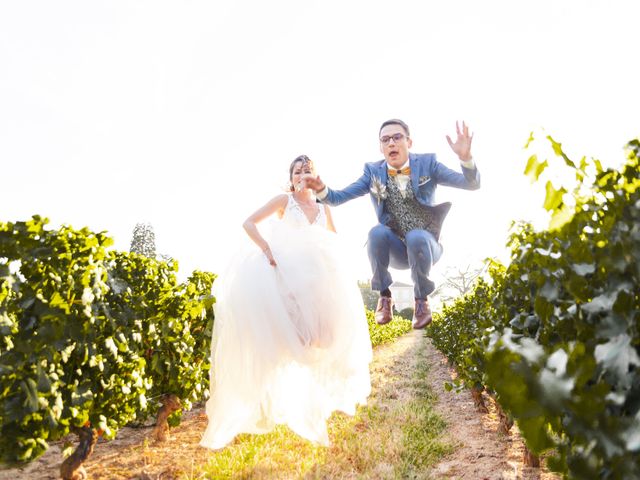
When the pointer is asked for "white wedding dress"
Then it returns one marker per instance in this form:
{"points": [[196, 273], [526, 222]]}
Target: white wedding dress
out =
{"points": [[291, 342]]}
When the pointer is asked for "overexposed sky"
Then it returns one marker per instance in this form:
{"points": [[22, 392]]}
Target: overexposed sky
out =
{"points": [[186, 114]]}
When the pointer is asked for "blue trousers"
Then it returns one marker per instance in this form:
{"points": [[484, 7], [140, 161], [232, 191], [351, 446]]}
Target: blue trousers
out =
{"points": [[419, 252]]}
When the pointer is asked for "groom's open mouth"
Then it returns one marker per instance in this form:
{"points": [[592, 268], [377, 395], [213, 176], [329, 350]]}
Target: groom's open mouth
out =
{"points": [[393, 153]]}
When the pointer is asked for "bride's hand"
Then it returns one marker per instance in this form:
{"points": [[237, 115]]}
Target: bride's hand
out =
{"points": [[269, 255]]}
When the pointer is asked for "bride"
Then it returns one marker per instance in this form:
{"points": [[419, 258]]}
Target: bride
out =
{"points": [[290, 342]]}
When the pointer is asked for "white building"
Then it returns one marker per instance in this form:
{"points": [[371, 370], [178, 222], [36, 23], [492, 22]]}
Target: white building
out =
{"points": [[402, 295]]}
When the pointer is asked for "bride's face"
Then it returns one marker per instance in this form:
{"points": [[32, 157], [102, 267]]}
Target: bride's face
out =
{"points": [[299, 170]]}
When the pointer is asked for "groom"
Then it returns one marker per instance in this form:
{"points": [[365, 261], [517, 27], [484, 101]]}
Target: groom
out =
{"points": [[402, 188]]}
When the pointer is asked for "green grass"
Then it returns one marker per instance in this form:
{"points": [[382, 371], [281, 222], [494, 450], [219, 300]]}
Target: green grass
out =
{"points": [[422, 435], [381, 334], [278, 454]]}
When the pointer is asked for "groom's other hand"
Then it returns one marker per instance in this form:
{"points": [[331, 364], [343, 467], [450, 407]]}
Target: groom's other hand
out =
{"points": [[313, 182], [462, 145]]}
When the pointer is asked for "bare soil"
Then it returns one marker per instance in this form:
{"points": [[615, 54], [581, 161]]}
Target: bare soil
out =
{"points": [[481, 452]]}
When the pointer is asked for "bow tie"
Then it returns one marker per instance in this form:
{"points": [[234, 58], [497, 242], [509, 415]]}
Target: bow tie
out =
{"points": [[404, 171]]}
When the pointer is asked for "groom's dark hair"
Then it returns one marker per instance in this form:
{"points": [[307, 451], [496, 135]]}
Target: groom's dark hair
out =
{"points": [[395, 121]]}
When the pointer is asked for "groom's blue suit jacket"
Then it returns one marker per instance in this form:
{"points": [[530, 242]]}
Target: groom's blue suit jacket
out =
{"points": [[426, 174]]}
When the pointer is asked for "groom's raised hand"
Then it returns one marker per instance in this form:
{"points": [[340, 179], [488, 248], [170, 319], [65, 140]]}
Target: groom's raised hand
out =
{"points": [[462, 145], [313, 182]]}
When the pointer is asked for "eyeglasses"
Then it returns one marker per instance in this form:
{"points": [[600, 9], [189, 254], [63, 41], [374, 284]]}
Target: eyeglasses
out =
{"points": [[396, 138]]}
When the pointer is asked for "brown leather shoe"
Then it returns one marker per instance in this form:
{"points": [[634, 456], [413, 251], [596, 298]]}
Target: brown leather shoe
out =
{"points": [[421, 314], [384, 310]]}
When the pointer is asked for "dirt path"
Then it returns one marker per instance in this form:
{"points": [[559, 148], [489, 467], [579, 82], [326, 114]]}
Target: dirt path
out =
{"points": [[480, 452]]}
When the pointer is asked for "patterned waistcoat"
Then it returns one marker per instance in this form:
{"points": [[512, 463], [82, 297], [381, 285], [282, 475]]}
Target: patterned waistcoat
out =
{"points": [[407, 214]]}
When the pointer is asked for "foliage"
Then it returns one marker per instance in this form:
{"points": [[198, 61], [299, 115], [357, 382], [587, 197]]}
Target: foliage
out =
{"points": [[458, 330], [406, 313], [87, 335], [176, 321], [556, 333], [385, 333]]}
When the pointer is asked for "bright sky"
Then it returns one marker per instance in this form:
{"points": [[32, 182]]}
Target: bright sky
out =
{"points": [[186, 114]]}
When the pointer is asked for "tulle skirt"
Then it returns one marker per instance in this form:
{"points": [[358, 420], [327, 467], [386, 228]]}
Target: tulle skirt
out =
{"points": [[290, 343]]}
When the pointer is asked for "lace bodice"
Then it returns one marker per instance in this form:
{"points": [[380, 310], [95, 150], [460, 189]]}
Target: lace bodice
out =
{"points": [[295, 216]]}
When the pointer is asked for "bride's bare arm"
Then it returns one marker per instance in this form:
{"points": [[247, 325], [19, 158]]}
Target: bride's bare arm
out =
{"points": [[330, 224], [276, 204]]}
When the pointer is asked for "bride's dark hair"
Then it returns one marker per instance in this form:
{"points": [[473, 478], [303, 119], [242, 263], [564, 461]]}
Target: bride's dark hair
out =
{"points": [[300, 158]]}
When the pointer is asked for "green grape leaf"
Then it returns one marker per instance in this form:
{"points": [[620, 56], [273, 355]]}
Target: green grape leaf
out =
{"points": [[553, 198], [30, 389], [617, 355], [534, 168]]}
